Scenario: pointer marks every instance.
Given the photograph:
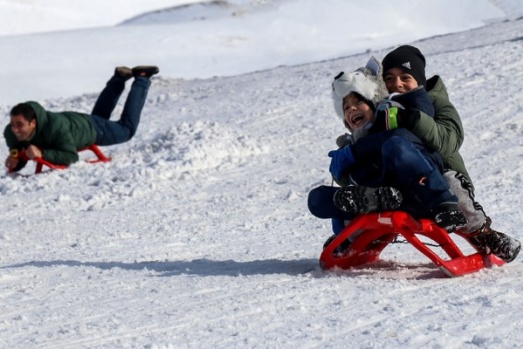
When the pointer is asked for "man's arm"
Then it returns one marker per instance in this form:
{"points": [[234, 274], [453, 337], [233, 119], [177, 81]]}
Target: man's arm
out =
{"points": [[444, 133], [62, 149], [13, 162]]}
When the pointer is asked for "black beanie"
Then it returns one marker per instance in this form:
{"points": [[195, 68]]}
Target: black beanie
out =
{"points": [[409, 59]]}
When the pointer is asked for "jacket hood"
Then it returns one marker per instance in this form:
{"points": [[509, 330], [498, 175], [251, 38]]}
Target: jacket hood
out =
{"points": [[41, 115], [435, 85]]}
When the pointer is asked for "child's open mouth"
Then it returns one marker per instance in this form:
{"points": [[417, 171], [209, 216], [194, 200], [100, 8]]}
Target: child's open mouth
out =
{"points": [[356, 119]]}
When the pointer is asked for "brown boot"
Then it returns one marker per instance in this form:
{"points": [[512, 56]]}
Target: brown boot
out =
{"points": [[123, 72], [145, 70]]}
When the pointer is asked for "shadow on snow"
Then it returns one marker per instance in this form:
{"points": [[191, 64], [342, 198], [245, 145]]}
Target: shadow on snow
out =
{"points": [[207, 267], [203, 267]]}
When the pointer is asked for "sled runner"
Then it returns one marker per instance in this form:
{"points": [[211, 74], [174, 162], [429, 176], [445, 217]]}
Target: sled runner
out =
{"points": [[40, 163], [371, 233]]}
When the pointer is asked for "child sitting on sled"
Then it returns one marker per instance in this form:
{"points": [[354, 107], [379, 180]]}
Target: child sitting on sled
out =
{"points": [[404, 71], [379, 166]]}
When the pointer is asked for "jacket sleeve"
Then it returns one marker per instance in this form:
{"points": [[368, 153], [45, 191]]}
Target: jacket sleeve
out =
{"points": [[444, 132], [14, 144]]}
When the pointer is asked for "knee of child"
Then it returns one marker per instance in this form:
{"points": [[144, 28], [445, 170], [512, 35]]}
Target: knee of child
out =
{"points": [[313, 200], [319, 201], [394, 147]]}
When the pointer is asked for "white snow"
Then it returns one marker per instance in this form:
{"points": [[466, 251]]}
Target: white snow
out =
{"points": [[197, 233], [228, 38]]}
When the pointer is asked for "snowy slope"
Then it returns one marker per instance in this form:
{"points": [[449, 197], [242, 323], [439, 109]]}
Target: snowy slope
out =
{"points": [[234, 37], [197, 234]]}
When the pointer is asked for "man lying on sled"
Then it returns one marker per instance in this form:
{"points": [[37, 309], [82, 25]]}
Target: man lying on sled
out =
{"points": [[56, 137]]}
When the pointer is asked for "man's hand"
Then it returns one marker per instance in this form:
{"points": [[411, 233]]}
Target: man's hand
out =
{"points": [[33, 152], [11, 162]]}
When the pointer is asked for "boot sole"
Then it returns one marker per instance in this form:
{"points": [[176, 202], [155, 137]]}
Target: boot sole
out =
{"points": [[360, 199]]}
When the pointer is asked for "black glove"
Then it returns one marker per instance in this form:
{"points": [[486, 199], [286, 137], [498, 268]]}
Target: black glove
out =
{"points": [[418, 99], [408, 118], [391, 115]]}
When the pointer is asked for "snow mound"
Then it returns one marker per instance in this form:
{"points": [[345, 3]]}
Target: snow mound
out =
{"points": [[194, 149]]}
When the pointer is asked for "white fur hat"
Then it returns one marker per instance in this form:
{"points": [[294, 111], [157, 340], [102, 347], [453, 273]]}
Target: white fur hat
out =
{"points": [[366, 81]]}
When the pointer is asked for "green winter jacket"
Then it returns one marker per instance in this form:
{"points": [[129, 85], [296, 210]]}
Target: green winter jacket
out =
{"points": [[443, 132], [58, 135]]}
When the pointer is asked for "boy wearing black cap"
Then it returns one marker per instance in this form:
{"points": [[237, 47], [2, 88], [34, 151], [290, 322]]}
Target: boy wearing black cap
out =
{"points": [[403, 71]]}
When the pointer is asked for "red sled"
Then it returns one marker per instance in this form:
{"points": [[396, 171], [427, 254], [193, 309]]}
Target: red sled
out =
{"points": [[372, 232], [40, 163]]}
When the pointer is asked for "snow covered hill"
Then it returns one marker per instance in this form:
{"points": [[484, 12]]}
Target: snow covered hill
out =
{"points": [[206, 39], [197, 234]]}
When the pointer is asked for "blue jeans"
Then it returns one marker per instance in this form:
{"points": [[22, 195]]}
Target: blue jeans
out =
{"points": [[115, 132]]}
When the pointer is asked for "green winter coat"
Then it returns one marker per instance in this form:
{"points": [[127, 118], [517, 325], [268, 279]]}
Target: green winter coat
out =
{"points": [[58, 135], [443, 132]]}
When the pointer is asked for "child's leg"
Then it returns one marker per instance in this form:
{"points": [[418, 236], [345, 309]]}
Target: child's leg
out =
{"points": [[415, 173], [419, 177], [338, 225], [476, 217], [478, 231], [321, 203]]}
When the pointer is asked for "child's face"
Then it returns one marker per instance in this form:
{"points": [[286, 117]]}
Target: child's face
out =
{"points": [[356, 111], [397, 80]]}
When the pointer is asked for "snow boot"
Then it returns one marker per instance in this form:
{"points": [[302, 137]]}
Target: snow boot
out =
{"points": [[361, 199], [145, 70], [448, 216], [123, 72], [487, 240]]}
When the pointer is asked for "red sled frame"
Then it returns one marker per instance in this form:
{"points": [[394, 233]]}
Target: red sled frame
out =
{"points": [[40, 163], [371, 233]]}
